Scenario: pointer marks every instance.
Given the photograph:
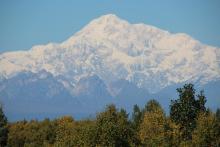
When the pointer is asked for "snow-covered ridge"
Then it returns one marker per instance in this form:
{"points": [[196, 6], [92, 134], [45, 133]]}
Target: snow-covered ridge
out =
{"points": [[115, 49]]}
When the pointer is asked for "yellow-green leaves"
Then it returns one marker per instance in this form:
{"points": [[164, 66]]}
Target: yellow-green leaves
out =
{"points": [[152, 129]]}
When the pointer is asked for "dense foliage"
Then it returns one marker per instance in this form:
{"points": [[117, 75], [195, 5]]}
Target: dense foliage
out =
{"points": [[184, 110], [190, 123]]}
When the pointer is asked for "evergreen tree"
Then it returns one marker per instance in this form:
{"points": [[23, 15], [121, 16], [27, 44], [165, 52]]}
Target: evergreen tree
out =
{"points": [[184, 110], [201, 102], [217, 125], [217, 114], [3, 128], [136, 117]]}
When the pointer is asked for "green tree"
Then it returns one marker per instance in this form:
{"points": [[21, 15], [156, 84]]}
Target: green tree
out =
{"points": [[206, 132], [17, 134], [217, 114], [47, 131], [152, 129], [184, 110], [201, 102], [136, 117], [172, 133], [136, 120], [112, 128], [3, 128], [85, 133], [33, 137], [31, 134], [65, 131], [151, 106]]}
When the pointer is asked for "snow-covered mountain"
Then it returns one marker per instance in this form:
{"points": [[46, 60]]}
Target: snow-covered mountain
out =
{"points": [[112, 50], [115, 49]]}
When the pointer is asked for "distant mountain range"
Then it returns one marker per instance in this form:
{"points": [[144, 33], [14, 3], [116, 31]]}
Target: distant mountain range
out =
{"points": [[108, 61]]}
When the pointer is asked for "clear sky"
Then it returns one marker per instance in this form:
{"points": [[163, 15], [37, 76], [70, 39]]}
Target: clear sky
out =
{"points": [[24, 23]]}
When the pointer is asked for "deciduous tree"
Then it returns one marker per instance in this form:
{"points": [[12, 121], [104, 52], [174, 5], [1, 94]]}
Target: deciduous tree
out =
{"points": [[152, 129], [112, 128], [206, 132]]}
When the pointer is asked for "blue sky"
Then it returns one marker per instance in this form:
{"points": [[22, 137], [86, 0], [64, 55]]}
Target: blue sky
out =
{"points": [[24, 23]]}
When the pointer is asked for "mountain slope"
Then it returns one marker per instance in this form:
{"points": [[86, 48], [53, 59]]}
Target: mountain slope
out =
{"points": [[40, 94], [109, 61]]}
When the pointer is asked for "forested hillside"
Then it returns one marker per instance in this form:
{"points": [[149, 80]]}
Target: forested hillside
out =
{"points": [[189, 123]]}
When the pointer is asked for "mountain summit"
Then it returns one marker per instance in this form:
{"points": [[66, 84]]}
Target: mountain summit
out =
{"points": [[114, 50]]}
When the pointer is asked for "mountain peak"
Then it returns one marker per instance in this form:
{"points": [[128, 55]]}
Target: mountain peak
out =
{"points": [[108, 19], [109, 16], [99, 27]]}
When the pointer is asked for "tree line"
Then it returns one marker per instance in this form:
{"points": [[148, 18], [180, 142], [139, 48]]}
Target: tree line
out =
{"points": [[189, 123]]}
